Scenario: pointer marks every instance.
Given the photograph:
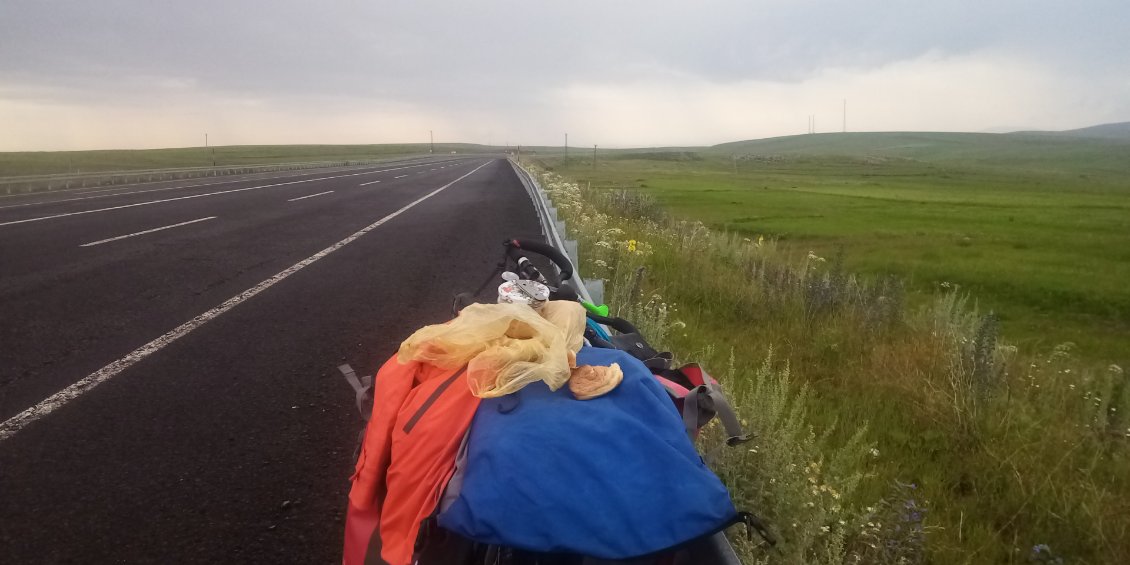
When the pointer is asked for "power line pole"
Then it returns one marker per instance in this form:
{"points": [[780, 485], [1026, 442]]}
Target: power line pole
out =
{"points": [[566, 147], [594, 157], [205, 140], [431, 142]]}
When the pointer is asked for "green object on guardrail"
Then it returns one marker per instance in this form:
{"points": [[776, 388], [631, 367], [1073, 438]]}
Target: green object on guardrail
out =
{"points": [[601, 310]]}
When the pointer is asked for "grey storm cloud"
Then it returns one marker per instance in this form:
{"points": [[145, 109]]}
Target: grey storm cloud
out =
{"points": [[506, 58]]}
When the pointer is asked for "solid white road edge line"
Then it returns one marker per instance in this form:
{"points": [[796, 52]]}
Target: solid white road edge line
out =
{"points": [[370, 182], [108, 240], [310, 196], [16, 423]]}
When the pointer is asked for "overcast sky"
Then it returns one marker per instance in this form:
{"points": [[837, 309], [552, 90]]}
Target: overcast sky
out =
{"points": [[83, 74]]}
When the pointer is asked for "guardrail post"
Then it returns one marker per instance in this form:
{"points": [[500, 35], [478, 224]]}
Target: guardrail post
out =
{"points": [[596, 290], [571, 251]]}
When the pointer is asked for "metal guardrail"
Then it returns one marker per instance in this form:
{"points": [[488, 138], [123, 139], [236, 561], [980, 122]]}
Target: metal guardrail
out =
{"points": [[554, 231]]}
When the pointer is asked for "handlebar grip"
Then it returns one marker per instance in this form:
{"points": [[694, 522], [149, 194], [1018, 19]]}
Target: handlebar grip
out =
{"points": [[564, 292], [547, 251], [619, 324]]}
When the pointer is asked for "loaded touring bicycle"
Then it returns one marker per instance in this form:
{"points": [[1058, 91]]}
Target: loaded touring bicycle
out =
{"points": [[538, 430]]}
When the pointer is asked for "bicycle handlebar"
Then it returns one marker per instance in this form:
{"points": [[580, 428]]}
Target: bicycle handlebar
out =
{"points": [[548, 252], [619, 324]]}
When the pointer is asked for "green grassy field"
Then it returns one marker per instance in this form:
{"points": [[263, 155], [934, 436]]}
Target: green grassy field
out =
{"points": [[56, 162], [891, 427], [1037, 229]]}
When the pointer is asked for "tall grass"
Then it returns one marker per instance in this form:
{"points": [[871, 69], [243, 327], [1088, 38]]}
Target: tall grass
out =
{"points": [[885, 434]]}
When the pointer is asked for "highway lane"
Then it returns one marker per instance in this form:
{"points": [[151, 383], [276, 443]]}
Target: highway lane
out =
{"points": [[22, 207], [93, 190], [46, 226], [54, 290], [233, 443]]}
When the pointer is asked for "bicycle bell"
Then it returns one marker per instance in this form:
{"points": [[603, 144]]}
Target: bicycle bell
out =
{"points": [[515, 290]]}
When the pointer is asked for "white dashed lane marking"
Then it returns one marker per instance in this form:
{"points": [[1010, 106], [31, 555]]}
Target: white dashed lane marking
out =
{"points": [[310, 196], [108, 240]]}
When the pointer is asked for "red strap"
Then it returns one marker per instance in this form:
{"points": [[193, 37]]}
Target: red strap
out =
{"points": [[674, 388], [697, 375], [694, 374]]}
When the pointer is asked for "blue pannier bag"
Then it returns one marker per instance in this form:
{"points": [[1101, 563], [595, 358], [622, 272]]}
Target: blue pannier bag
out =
{"points": [[615, 477]]}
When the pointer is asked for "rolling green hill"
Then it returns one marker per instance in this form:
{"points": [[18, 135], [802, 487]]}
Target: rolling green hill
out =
{"points": [[1118, 131], [1045, 152]]}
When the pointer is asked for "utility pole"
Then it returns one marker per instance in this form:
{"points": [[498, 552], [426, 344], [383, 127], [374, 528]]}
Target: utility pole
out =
{"points": [[431, 142], [594, 157], [566, 147], [205, 140]]}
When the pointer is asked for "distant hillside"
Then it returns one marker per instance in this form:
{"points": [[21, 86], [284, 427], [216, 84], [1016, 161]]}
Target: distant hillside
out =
{"points": [[1105, 131], [1118, 132], [999, 150]]}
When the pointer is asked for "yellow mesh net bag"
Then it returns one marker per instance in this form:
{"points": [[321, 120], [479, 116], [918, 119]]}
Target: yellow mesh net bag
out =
{"points": [[505, 346]]}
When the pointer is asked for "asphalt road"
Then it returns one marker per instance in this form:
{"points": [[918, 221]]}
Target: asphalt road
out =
{"points": [[231, 442]]}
